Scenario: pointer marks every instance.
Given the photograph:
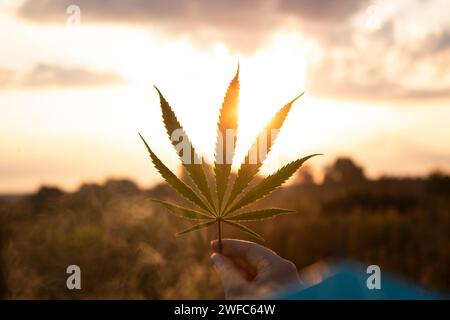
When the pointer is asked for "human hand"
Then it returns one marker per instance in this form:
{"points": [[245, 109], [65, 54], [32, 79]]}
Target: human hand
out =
{"points": [[251, 271]]}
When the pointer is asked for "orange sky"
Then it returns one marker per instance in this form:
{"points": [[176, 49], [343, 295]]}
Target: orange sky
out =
{"points": [[73, 96]]}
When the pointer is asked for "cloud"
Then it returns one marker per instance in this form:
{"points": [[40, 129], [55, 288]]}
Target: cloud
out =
{"points": [[45, 75], [355, 63], [381, 65], [6, 76], [178, 15], [48, 75], [242, 25], [438, 43], [324, 10], [373, 91], [211, 12]]}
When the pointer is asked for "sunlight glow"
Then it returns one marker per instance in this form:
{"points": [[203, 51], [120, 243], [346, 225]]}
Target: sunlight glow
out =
{"points": [[66, 135]]}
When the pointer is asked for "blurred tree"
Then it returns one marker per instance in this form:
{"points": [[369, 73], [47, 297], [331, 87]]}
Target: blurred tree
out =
{"points": [[438, 183], [304, 177], [49, 193], [123, 187], [47, 197], [3, 288], [344, 171]]}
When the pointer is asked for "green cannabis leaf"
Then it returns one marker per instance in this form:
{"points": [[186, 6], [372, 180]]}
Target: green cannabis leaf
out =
{"points": [[216, 207]]}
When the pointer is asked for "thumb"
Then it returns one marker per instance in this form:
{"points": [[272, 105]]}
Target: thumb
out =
{"points": [[230, 275]]}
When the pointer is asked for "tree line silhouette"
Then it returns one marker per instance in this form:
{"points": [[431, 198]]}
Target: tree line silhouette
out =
{"points": [[125, 246]]}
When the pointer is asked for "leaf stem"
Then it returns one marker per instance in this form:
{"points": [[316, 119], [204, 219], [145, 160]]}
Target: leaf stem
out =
{"points": [[219, 229]]}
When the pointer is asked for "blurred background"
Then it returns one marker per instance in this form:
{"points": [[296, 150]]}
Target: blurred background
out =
{"points": [[75, 181]]}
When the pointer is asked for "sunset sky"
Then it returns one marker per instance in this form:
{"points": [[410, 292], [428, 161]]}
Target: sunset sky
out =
{"points": [[376, 76]]}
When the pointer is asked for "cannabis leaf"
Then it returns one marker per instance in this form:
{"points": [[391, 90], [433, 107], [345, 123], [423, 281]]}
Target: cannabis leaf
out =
{"points": [[218, 208]]}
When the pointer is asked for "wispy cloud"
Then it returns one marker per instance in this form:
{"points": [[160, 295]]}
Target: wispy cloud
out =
{"points": [[46, 75], [6, 77], [324, 10]]}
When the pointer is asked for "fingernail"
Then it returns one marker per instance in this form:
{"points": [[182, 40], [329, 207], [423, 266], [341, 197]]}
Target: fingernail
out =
{"points": [[217, 259], [213, 244]]}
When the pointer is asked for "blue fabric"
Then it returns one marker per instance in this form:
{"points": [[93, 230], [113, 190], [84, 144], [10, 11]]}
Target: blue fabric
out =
{"points": [[348, 282]]}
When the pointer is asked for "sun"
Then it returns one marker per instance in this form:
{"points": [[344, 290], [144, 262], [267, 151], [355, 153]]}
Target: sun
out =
{"points": [[269, 79]]}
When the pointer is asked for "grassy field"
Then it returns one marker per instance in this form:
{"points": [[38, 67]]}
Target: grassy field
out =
{"points": [[126, 247]]}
